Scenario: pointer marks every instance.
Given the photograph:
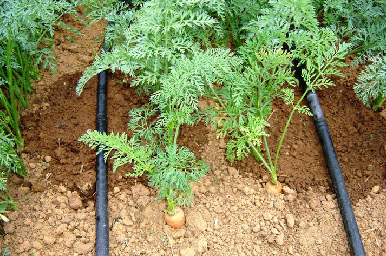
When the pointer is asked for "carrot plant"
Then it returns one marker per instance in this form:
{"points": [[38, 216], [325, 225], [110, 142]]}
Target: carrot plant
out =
{"points": [[161, 45], [371, 85], [166, 47], [247, 98], [32, 23], [25, 45], [146, 42], [9, 162], [238, 14], [156, 126], [362, 23], [177, 104]]}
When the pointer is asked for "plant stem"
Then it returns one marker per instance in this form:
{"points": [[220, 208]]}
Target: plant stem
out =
{"points": [[257, 153], [359, 49], [268, 151], [12, 101], [166, 38], [171, 209], [217, 98], [378, 101], [8, 200], [259, 103], [176, 133], [285, 131]]}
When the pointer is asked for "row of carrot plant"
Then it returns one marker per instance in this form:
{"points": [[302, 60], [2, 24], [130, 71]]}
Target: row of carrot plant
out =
{"points": [[26, 45], [235, 53]]}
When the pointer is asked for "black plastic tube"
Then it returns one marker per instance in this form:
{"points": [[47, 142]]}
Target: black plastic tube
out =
{"points": [[332, 163], [101, 202]]}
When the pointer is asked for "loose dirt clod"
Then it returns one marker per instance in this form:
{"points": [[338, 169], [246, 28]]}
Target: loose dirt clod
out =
{"points": [[74, 201], [290, 220]]}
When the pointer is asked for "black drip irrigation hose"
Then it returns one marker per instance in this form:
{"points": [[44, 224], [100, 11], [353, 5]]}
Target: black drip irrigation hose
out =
{"points": [[332, 163], [101, 188], [101, 201]]}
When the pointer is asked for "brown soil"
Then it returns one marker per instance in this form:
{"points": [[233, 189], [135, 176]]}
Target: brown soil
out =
{"points": [[232, 213]]}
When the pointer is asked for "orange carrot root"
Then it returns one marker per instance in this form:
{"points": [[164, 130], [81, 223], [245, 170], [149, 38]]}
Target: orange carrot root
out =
{"points": [[177, 220], [274, 189]]}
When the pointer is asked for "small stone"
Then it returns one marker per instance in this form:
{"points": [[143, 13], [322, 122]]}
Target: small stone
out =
{"points": [[187, 252], [117, 190], [47, 159], [375, 189], [314, 203], [32, 165], [290, 220], [248, 190], [275, 231], [280, 239], [75, 202], [256, 228], [267, 216], [245, 226], [383, 114], [16, 180], [203, 189]]}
